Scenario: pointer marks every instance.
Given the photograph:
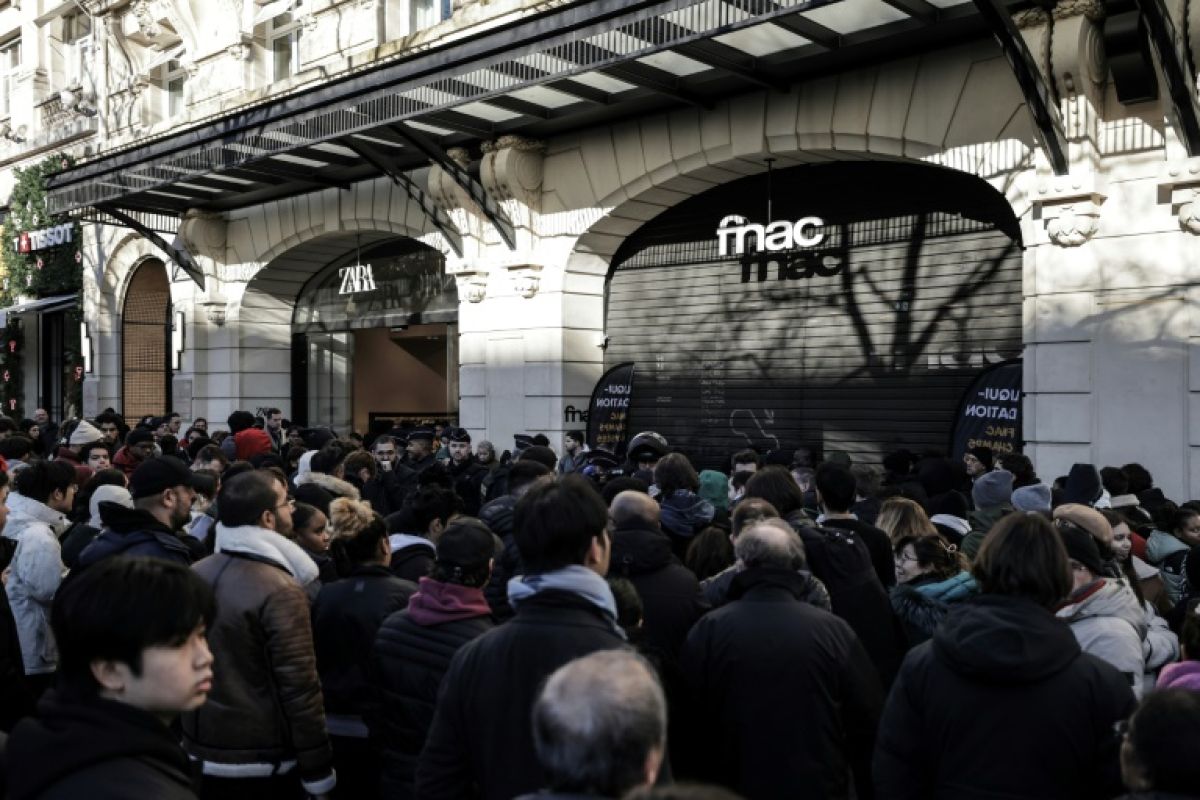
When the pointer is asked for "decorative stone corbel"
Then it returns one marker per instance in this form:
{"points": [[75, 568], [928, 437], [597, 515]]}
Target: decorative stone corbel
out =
{"points": [[526, 278], [511, 173], [308, 22], [471, 278], [1182, 181], [1070, 207]]}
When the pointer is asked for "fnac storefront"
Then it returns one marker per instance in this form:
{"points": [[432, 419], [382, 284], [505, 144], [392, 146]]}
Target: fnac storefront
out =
{"points": [[846, 305]]}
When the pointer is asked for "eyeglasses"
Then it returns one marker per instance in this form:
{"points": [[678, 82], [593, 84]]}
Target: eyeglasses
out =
{"points": [[907, 559]]}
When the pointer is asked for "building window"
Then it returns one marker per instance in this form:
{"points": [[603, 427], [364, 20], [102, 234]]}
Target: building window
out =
{"points": [[283, 43], [77, 47], [10, 62], [427, 13], [172, 78]]}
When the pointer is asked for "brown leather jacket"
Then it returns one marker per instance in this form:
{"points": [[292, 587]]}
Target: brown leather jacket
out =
{"points": [[265, 707]]}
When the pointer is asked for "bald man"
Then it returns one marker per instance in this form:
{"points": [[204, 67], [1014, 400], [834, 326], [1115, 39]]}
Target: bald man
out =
{"points": [[767, 659], [641, 552]]}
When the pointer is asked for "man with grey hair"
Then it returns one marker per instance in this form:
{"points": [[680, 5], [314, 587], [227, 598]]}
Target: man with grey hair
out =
{"points": [[600, 726], [772, 674]]}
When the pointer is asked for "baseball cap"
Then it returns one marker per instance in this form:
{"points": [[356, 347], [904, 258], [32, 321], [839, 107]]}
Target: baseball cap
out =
{"points": [[466, 543], [155, 475]]}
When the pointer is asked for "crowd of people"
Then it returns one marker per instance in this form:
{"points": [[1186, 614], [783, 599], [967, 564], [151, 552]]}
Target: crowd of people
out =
{"points": [[267, 611]]}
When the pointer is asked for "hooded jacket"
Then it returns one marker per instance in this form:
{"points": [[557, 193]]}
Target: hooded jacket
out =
{"points": [[99, 749], [1049, 710], [922, 604], [757, 666], [671, 597], [265, 709], [1170, 555], [133, 532], [124, 461], [1109, 623], [412, 653], [683, 515], [330, 483], [37, 571]]}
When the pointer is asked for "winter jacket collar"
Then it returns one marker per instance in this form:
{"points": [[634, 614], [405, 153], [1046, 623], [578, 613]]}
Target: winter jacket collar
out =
{"points": [[1004, 640], [764, 583], [268, 545], [952, 522], [1160, 544], [436, 602], [1183, 675], [122, 519], [1106, 597], [684, 513], [66, 737], [399, 541], [949, 590], [21, 506], [576, 579], [335, 486], [637, 551]]}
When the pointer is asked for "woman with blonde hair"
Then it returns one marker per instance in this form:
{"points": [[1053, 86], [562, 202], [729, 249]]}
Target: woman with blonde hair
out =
{"points": [[901, 518]]}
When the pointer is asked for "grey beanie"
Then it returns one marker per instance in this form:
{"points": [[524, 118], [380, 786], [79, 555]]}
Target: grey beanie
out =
{"points": [[1032, 498], [992, 489]]}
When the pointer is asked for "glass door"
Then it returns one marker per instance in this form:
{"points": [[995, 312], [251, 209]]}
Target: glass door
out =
{"points": [[330, 378]]}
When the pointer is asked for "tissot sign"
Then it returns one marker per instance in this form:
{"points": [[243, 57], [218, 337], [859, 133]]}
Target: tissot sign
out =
{"points": [[790, 247], [31, 241]]}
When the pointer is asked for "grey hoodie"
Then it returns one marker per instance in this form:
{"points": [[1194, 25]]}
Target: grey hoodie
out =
{"points": [[1109, 623]]}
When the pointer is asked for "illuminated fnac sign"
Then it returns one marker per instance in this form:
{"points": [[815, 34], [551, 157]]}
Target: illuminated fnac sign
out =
{"points": [[736, 236], [30, 241]]}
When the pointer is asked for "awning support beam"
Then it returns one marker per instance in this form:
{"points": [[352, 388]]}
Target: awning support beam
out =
{"points": [[436, 216], [432, 151], [182, 258], [1177, 74], [1029, 78]]}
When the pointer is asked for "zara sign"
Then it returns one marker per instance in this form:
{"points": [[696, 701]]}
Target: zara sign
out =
{"points": [[355, 279], [773, 237]]}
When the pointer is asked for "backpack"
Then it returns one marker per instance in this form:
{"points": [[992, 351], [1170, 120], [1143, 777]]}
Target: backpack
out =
{"points": [[838, 557]]}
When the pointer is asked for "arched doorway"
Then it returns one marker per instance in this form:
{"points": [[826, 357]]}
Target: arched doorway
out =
{"points": [[844, 305], [145, 369]]}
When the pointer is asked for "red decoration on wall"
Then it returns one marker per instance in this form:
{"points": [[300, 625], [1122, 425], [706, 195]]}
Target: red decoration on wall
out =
{"points": [[12, 404], [39, 263], [12, 345], [7, 376], [78, 257]]}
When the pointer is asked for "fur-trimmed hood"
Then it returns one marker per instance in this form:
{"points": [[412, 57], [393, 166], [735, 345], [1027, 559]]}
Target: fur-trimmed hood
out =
{"points": [[268, 545], [335, 486]]}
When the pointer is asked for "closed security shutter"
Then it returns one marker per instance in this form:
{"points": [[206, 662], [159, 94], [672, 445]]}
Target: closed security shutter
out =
{"points": [[863, 343], [145, 370]]}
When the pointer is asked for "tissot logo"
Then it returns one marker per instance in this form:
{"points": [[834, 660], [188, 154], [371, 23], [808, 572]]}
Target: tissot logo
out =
{"points": [[773, 237], [358, 278], [46, 237]]}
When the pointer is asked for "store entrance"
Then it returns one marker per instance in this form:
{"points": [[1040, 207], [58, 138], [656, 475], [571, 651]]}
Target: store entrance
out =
{"points": [[375, 336]]}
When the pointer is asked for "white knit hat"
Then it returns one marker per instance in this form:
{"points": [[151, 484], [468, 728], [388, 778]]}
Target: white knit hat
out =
{"points": [[84, 433]]}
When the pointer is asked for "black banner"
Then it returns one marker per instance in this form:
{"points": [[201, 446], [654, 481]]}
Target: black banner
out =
{"points": [[989, 414], [608, 411]]}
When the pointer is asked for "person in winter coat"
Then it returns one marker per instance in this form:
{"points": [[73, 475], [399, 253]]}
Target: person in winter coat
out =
{"points": [[139, 445], [414, 647], [930, 580], [16, 700], [481, 740], [766, 660], [1169, 550], [1137, 573], [684, 513], [1158, 754], [1186, 673], [1103, 612], [82, 534], [1049, 707], [162, 492], [836, 492], [43, 493], [498, 516], [346, 617], [131, 634], [992, 495], [416, 528], [465, 471], [641, 552], [262, 733]]}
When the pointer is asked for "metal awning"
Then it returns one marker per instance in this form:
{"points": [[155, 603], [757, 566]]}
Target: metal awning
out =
{"points": [[582, 65], [41, 306]]}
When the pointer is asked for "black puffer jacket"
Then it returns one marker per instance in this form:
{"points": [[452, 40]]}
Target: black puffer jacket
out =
{"points": [[98, 749], [671, 597], [785, 696], [498, 516], [409, 662], [1001, 704], [133, 532], [481, 741], [346, 617]]}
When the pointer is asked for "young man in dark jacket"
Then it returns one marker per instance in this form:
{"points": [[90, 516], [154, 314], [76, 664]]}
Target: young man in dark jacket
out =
{"points": [[641, 552], [263, 731], [163, 491], [770, 674], [132, 656], [414, 648], [465, 471], [837, 490], [416, 527], [481, 740]]}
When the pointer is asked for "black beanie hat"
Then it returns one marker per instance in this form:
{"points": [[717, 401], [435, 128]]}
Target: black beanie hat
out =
{"points": [[952, 504], [1081, 547], [1083, 485], [985, 456]]}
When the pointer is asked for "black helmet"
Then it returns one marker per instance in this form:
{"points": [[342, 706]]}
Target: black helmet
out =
{"points": [[647, 446]]}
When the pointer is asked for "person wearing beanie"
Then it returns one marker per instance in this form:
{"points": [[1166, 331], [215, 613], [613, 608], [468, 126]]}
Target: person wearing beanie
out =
{"points": [[979, 461], [1032, 498], [714, 487], [139, 446], [949, 514], [1103, 612], [1083, 485], [992, 494], [84, 433], [238, 421]]}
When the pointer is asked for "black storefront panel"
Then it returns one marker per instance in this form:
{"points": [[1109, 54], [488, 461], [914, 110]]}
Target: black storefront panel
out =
{"points": [[862, 342]]}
